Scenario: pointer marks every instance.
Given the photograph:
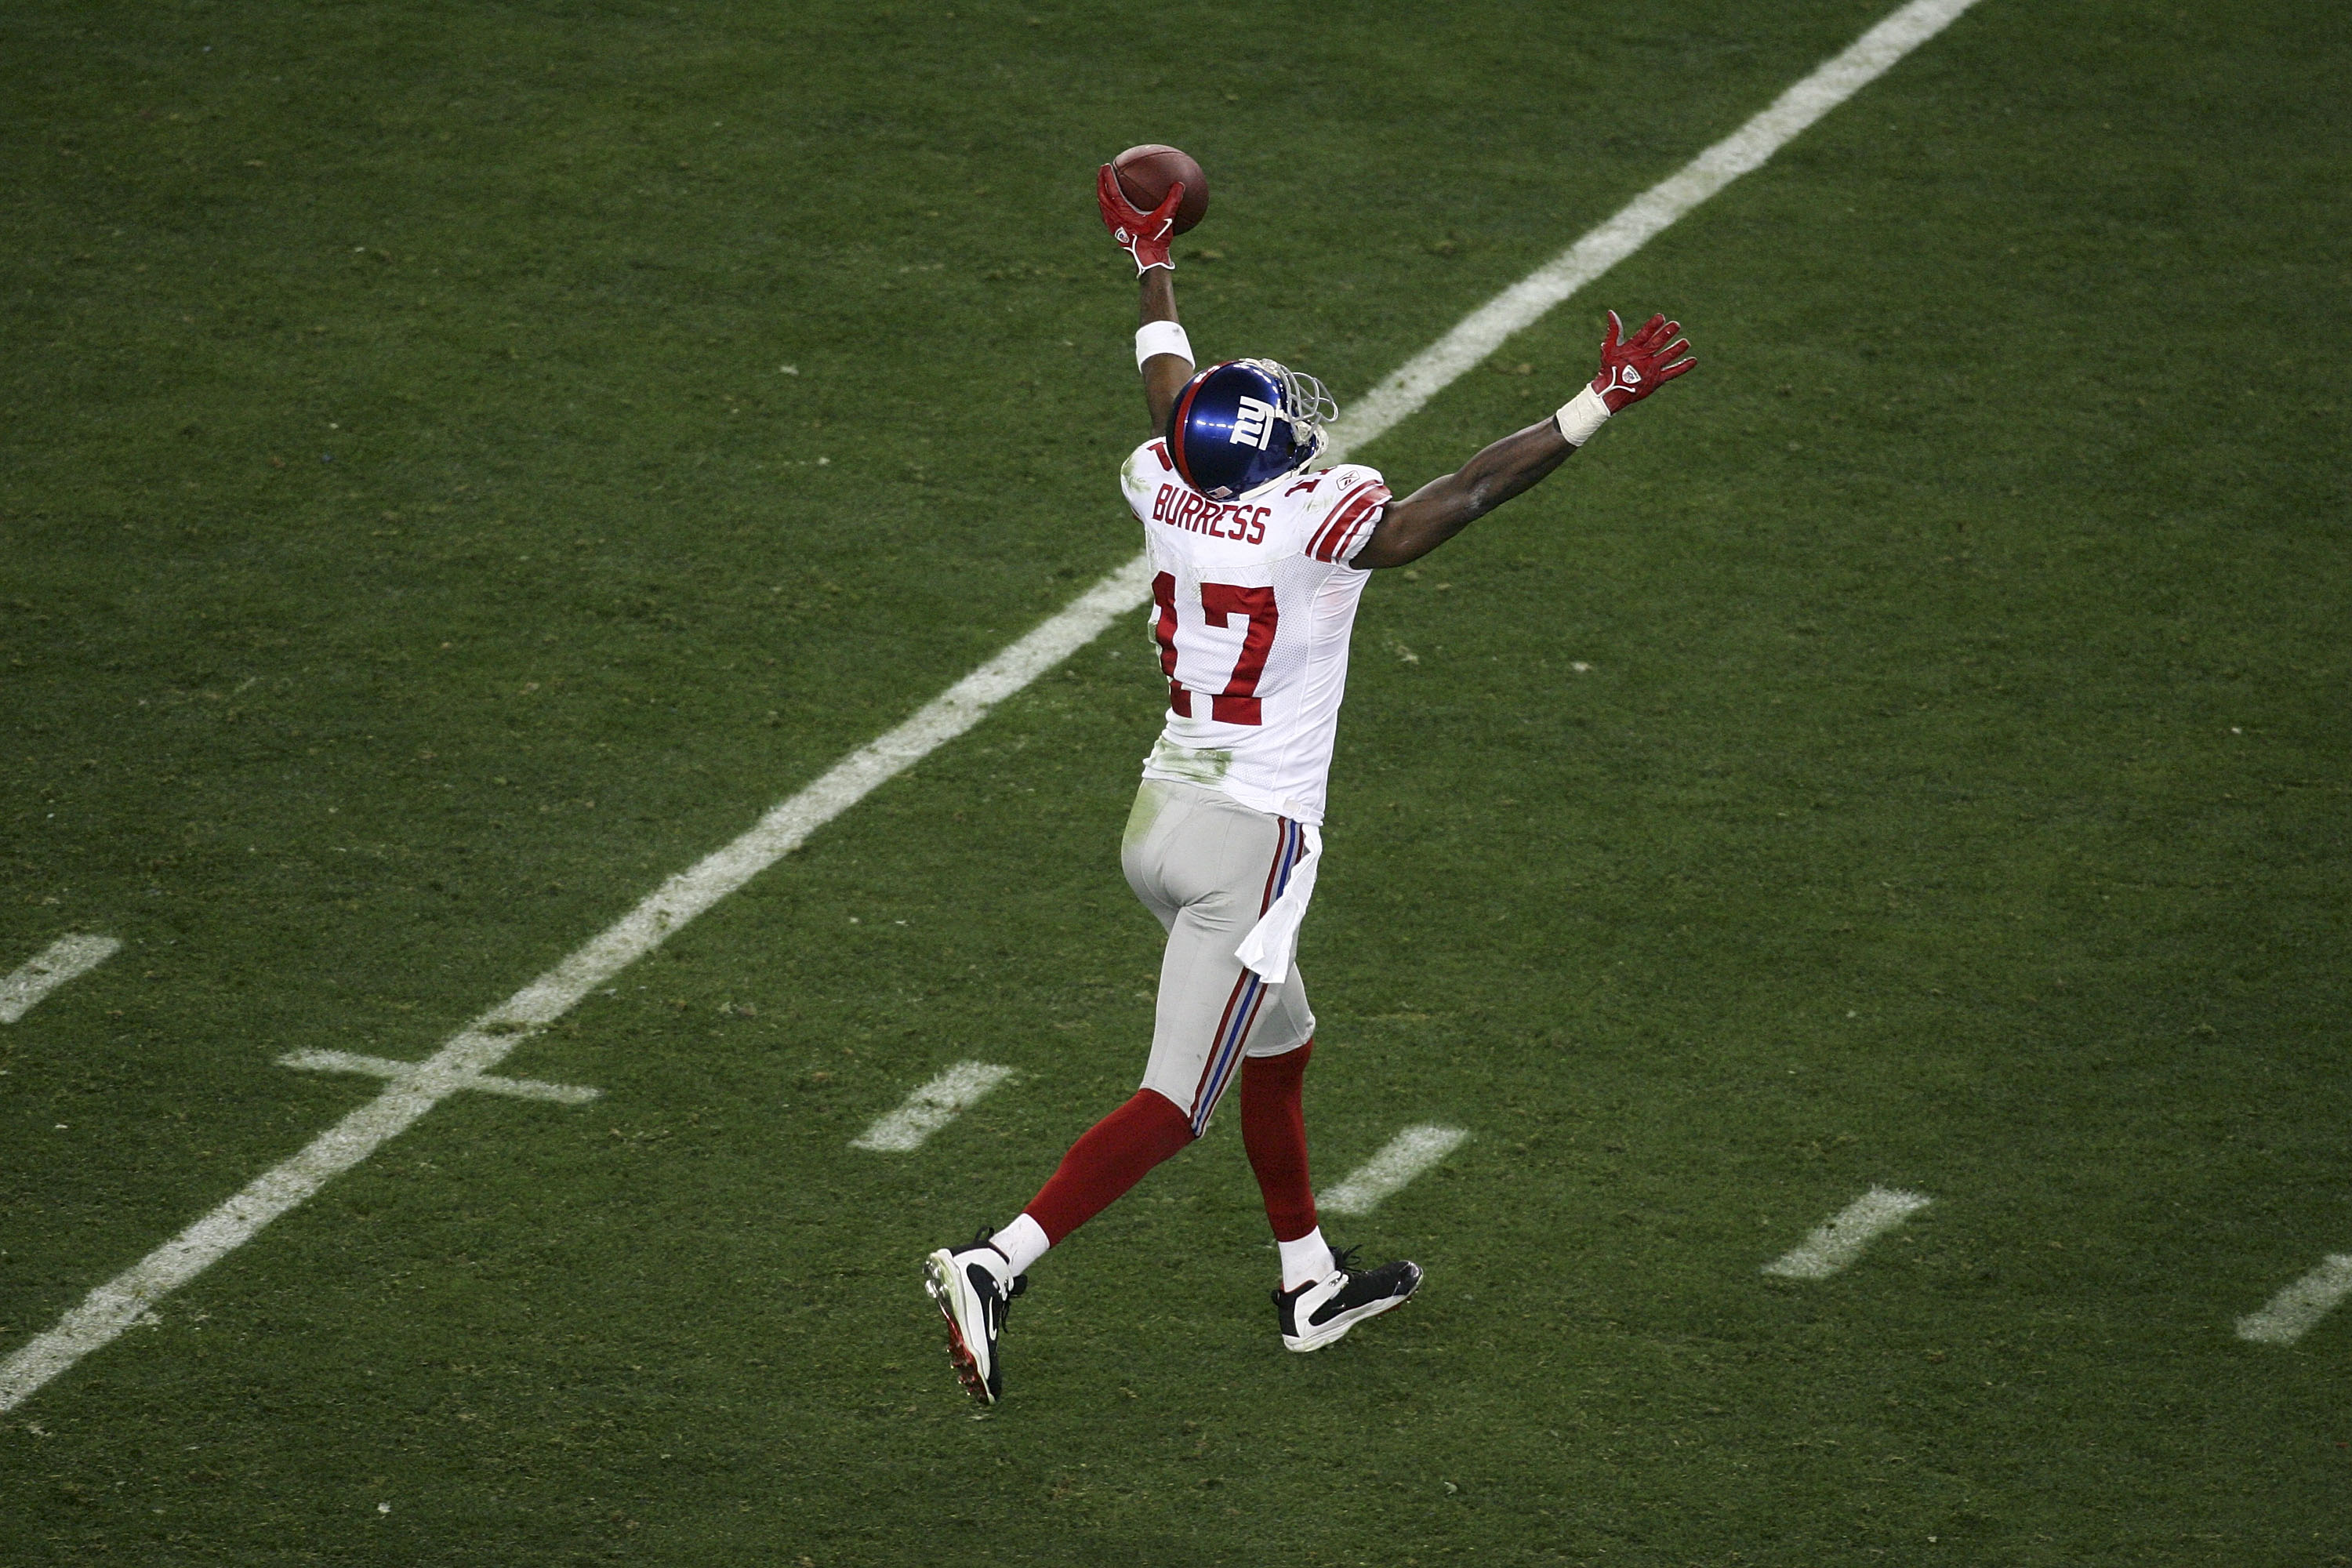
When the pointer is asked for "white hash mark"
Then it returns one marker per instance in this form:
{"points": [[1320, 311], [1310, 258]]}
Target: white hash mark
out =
{"points": [[1841, 1241], [931, 1107], [51, 968], [384, 1068], [1408, 1154], [2293, 1310]]}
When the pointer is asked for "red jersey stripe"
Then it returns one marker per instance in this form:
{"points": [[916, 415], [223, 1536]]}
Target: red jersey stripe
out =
{"points": [[1369, 518], [1361, 502], [1323, 535], [1351, 507]]}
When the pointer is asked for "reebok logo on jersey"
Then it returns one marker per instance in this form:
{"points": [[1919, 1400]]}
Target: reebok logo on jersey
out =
{"points": [[1254, 424]]}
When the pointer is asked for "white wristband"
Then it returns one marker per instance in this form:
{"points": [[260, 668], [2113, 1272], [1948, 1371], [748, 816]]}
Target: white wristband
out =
{"points": [[1161, 338], [1581, 416]]}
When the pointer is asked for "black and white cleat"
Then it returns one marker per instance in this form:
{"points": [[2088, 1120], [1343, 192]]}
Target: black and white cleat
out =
{"points": [[972, 1286], [1317, 1313]]}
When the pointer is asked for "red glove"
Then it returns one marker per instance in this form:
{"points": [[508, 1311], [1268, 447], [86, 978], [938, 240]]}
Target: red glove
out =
{"points": [[1631, 370], [1142, 235]]}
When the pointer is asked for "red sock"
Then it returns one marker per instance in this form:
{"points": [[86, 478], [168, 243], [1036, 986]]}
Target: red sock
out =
{"points": [[1274, 1130], [1110, 1157]]}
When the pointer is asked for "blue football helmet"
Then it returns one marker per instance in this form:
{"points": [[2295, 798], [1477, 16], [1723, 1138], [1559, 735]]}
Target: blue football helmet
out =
{"points": [[1240, 426]]}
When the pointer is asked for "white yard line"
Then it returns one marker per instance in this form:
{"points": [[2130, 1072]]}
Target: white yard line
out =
{"points": [[1840, 1242], [113, 1306], [933, 1107], [1408, 1154], [51, 968], [2293, 1310]]}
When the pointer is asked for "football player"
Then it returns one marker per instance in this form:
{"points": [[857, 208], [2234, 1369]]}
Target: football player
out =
{"points": [[1258, 559]]}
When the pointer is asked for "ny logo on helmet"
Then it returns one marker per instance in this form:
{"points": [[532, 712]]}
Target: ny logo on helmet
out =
{"points": [[1253, 424]]}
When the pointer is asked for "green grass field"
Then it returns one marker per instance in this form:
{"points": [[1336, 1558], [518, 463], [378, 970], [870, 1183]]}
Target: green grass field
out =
{"points": [[1909, 753]]}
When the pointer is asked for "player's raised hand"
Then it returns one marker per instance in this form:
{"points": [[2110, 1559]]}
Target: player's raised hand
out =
{"points": [[1632, 368], [1142, 235]]}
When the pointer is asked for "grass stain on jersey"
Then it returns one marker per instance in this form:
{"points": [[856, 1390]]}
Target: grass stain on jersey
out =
{"points": [[1201, 765]]}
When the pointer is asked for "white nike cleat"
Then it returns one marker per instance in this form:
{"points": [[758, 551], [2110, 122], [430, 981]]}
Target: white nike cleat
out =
{"points": [[1318, 1312], [972, 1286]]}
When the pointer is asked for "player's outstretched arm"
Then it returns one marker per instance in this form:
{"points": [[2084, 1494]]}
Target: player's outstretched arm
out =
{"points": [[1630, 369], [1412, 528], [1162, 353]]}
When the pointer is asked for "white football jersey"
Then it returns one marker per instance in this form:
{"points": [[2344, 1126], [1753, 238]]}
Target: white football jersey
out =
{"points": [[1253, 603]]}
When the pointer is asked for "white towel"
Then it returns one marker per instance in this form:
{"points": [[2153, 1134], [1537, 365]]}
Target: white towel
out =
{"points": [[1270, 944]]}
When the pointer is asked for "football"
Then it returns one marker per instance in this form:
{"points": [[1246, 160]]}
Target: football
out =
{"points": [[1145, 173]]}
